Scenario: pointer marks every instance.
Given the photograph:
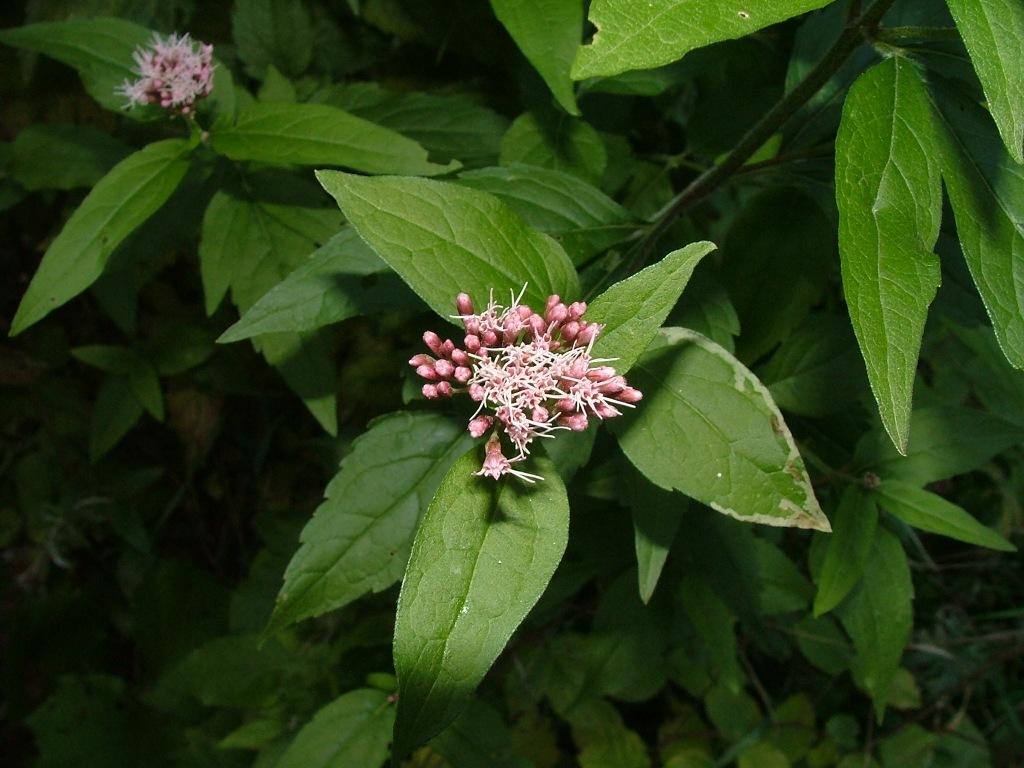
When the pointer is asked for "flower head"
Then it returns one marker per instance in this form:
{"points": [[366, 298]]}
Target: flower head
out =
{"points": [[174, 73], [531, 374]]}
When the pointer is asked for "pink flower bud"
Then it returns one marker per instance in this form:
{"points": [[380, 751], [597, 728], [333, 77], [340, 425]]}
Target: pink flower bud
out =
{"points": [[540, 414], [630, 395], [489, 338], [588, 333], [472, 325], [566, 405], [444, 389], [429, 391], [577, 422], [557, 314], [463, 374], [464, 304], [524, 312], [605, 411], [553, 299], [613, 386], [570, 330], [459, 357], [447, 348], [433, 342], [417, 360], [576, 309], [476, 392], [444, 368], [601, 373], [537, 326], [479, 425], [472, 343], [427, 372]]}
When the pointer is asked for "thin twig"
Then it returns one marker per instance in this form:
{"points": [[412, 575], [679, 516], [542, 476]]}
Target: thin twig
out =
{"points": [[777, 116]]}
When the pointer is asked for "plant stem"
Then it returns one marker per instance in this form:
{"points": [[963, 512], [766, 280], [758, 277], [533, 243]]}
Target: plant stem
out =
{"points": [[776, 117], [903, 34]]}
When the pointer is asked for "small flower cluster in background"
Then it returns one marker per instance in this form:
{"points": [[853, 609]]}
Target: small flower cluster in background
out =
{"points": [[174, 73], [531, 374]]}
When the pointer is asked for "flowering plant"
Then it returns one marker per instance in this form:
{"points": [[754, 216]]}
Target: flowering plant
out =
{"points": [[173, 73], [694, 473], [534, 374]]}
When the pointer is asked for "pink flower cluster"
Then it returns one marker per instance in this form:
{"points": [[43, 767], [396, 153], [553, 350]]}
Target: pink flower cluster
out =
{"points": [[174, 73], [531, 374]]}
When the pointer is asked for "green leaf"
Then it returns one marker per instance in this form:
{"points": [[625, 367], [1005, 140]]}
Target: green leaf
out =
{"points": [[115, 412], [780, 244], [784, 589], [450, 126], [656, 518], [58, 156], [109, 358], [633, 310], [645, 35], [559, 143], [604, 740], [443, 239], [251, 244], [276, 87], [699, 401], [132, 192], [318, 134], [254, 734], [992, 31], [277, 32], [479, 738], [817, 370], [947, 441], [878, 616], [929, 512], [889, 194], [853, 531], [340, 280], [715, 624], [230, 671], [359, 538], [548, 33], [100, 49], [354, 729], [483, 555], [579, 216], [986, 191]]}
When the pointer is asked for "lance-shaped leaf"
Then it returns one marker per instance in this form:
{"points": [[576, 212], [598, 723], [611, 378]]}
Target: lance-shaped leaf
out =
{"points": [[992, 30], [483, 556], [578, 215], [656, 517], [132, 192], [879, 616], [548, 33], [359, 538], [929, 512], [633, 310], [100, 49], [889, 193], [633, 35], [853, 531], [318, 134], [986, 191], [443, 239], [343, 278], [352, 730], [709, 428], [250, 245]]}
